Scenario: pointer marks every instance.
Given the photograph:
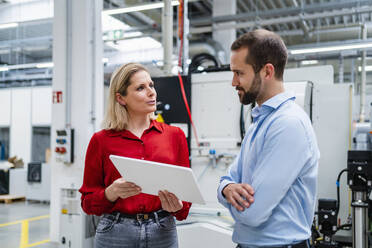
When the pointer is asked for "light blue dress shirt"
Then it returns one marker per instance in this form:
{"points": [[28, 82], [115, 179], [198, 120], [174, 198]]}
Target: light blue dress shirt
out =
{"points": [[279, 159]]}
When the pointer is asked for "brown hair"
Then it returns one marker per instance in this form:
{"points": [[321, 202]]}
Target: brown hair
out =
{"points": [[264, 47], [116, 116]]}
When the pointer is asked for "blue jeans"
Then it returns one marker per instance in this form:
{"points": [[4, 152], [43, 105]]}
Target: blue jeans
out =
{"points": [[114, 231]]}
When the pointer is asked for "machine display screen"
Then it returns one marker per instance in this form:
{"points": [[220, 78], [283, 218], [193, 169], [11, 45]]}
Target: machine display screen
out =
{"points": [[61, 133]]}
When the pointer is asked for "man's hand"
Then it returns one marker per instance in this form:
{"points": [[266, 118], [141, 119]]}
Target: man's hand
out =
{"points": [[121, 188], [169, 201], [239, 195]]}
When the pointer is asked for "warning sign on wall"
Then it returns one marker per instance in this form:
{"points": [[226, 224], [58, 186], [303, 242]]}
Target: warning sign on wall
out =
{"points": [[57, 97]]}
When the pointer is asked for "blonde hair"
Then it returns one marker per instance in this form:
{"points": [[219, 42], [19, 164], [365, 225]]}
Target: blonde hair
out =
{"points": [[116, 116]]}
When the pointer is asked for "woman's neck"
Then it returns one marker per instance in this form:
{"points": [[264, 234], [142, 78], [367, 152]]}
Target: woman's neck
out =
{"points": [[138, 124]]}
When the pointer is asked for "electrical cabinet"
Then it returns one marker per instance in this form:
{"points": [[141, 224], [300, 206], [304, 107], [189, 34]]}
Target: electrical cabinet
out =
{"points": [[65, 146]]}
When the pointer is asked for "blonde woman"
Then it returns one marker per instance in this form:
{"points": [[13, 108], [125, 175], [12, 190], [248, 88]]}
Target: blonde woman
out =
{"points": [[129, 217]]}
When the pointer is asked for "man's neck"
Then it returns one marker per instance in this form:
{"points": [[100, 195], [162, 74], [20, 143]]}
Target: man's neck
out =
{"points": [[274, 88]]}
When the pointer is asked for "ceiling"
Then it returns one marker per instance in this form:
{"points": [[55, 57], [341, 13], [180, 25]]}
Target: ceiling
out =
{"points": [[299, 22]]}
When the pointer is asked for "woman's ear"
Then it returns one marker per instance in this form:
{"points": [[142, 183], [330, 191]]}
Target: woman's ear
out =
{"points": [[120, 99]]}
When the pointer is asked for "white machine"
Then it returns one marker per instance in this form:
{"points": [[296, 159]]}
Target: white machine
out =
{"points": [[38, 182], [216, 113]]}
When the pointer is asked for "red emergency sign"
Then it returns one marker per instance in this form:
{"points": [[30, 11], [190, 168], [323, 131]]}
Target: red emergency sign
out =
{"points": [[57, 97]]}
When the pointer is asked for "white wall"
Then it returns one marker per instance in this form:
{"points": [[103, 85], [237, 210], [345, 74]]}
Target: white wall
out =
{"points": [[41, 106], [20, 131], [26, 11], [5, 109], [22, 108]]}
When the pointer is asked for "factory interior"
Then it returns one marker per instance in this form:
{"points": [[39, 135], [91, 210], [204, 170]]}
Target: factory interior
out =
{"points": [[56, 61]]}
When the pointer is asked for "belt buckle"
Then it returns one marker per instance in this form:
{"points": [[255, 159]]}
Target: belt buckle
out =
{"points": [[142, 217]]}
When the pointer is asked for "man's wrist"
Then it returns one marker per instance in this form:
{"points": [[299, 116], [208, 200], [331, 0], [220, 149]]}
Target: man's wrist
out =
{"points": [[224, 189]]}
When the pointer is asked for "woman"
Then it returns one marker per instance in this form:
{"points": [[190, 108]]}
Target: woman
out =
{"points": [[129, 217]]}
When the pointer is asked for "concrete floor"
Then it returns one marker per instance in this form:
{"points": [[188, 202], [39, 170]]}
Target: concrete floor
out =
{"points": [[38, 230]]}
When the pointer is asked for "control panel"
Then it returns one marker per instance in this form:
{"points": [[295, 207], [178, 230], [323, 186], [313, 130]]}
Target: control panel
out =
{"points": [[65, 146]]}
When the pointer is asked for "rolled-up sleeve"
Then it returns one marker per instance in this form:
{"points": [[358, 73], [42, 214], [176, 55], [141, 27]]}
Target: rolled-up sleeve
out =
{"points": [[93, 199], [233, 176], [286, 151], [183, 160]]}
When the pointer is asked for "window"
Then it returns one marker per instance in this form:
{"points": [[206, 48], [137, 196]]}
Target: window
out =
{"points": [[40, 143], [4, 143]]}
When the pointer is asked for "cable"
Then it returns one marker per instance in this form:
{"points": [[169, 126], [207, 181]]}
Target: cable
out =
{"points": [[180, 35], [199, 59], [344, 227], [242, 123], [338, 190]]}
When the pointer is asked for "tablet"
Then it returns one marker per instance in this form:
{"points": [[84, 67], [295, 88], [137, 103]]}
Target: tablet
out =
{"points": [[154, 176]]}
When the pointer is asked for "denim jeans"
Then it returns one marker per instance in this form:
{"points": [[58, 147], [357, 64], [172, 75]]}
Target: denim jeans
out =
{"points": [[114, 232]]}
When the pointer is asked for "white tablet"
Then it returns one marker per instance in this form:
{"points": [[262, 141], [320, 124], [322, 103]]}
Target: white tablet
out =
{"points": [[154, 176]]}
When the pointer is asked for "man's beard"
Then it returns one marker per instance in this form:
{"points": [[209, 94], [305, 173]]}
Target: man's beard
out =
{"points": [[250, 96]]}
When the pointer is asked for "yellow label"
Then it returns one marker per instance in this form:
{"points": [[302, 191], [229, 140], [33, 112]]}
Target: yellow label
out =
{"points": [[160, 118], [64, 211]]}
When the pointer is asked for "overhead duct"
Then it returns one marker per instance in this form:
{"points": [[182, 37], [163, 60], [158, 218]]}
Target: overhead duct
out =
{"points": [[207, 47], [363, 76], [167, 40]]}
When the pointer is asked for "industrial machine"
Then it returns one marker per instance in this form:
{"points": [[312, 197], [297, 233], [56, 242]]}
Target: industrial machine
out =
{"points": [[360, 182], [327, 222], [38, 182], [220, 121]]}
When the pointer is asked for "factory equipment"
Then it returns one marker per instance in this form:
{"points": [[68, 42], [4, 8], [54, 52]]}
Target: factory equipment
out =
{"points": [[65, 145], [327, 222], [217, 114], [75, 229], [38, 182], [360, 181], [172, 106]]}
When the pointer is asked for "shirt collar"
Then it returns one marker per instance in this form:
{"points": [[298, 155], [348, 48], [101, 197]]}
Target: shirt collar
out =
{"points": [[156, 125], [125, 133], [271, 104], [275, 101]]}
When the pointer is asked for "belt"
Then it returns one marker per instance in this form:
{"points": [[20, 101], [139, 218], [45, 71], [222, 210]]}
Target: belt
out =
{"points": [[146, 216], [302, 244]]}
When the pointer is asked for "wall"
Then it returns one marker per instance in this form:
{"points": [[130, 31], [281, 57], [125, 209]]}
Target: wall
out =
{"points": [[22, 108]]}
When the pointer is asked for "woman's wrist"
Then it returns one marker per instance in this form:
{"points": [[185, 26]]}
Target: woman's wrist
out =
{"points": [[110, 196]]}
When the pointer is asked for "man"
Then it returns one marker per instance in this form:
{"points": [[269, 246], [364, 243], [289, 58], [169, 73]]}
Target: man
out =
{"points": [[270, 189]]}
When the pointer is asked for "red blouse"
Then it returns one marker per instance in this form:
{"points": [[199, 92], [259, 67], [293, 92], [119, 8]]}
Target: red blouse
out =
{"points": [[160, 143]]}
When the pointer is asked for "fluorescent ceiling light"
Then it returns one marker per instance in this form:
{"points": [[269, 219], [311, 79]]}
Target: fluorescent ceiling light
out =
{"points": [[309, 62], [368, 68], [4, 68], [8, 25], [138, 8], [331, 48], [44, 65]]}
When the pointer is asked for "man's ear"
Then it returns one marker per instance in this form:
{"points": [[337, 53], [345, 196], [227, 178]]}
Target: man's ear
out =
{"points": [[268, 71], [120, 99]]}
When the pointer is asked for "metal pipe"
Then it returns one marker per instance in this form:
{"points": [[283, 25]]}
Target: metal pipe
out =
{"points": [[363, 76], [281, 20], [186, 27], [167, 31], [93, 72], [353, 7], [360, 220], [341, 70], [68, 62]]}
